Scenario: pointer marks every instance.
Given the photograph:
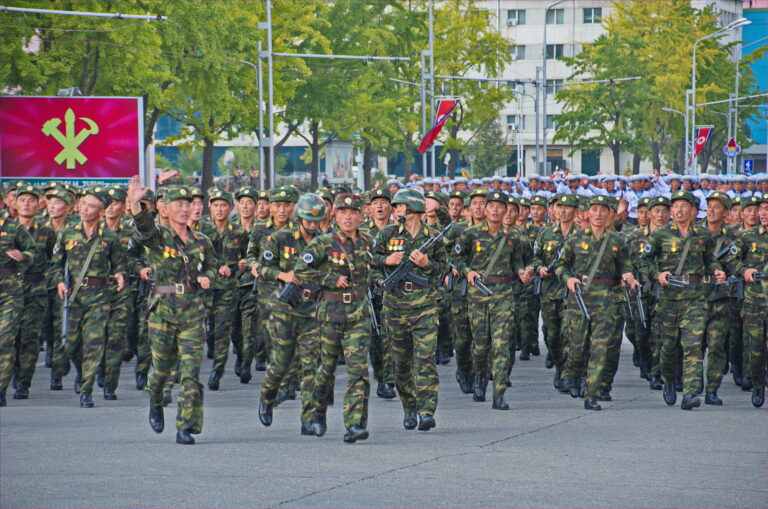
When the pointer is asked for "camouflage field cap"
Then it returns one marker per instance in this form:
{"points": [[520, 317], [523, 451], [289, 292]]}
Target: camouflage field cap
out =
{"points": [[514, 201], [538, 200], [461, 195], [348, 201], [748, 201], [410, 197], [196, 192], [686, 196], [99, 192], [28, 189], [61, 194], [246, 191], [497, 197], [644, 202], [602, 200], [285, 194], [216, 193], [568, 200], [480, 191], [381, 192], [177, 193], [118, 193], [436, 195], [311, 207], [722, 198]]}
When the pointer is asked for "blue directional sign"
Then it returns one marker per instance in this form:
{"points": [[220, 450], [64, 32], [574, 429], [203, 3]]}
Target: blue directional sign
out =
{"points": [[748, 166]]}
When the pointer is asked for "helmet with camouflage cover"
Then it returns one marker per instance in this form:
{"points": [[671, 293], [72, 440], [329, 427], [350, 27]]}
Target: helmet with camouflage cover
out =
{"points": [[410, 197], [311, 207]]}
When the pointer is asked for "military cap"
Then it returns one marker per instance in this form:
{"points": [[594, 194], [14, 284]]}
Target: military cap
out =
{"points": [[160, 192], [458, 194], [342, 189], [568, 200], [326, 194], [644, 202], [15, 184], [599, 199], [50, 185], [511, 200], [524, 202], [684, 195], [554, 199], [496, 196], [763, 198], [348, 201], [149, 195], [482, 192], [177, 193], [659, 200], [62, 194], [196, 192], [722, 198], [538, 200], [117, 193], [311, 207], [246, 191], [263, 195], [736, 201], [99, 192], [284, 194], [216, 193], [436, 195], [381, 192], [748, 201], [28, 189]]}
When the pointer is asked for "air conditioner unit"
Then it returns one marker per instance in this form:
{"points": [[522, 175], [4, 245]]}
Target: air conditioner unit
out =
{"points": [[513, 56], [511, 22], [511, 127]]}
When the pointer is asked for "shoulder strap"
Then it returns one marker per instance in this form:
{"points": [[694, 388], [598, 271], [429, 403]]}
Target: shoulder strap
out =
{"points": [[596, 264], [340, 243], [81, 276], [496, 253], [184, 257], [686, 247]]}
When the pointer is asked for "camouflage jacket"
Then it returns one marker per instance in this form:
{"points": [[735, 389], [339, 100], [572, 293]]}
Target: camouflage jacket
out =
{"points": [[723, 242], [125, 232], [324, 260], [45, 240], [245, 278], [230, 246], [262, 230], [395, 238], [664, 251], [546, 250], [14, 236], [474, 251], [72, 247], [372, 231], [285, 246], [579, 254], [750, 251], [174, 262]]}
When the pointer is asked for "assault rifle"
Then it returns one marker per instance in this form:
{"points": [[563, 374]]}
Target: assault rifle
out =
{"points": [[375, 326], [65, 306], [537, 279]]}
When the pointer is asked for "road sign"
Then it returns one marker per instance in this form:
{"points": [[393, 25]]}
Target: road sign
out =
{"points": [[748, 166], [731, 149]]}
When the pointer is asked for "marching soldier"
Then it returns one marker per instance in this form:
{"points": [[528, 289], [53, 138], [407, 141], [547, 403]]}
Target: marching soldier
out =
{"points": [[182, 263], [338, 262], [242, 326], [93, 258], [410, 310]]}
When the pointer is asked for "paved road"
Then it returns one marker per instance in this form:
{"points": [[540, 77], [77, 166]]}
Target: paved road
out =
{"points": [[547, 451]]}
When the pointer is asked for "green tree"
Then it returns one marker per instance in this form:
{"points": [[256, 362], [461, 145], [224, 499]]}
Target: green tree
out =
{"points": [[491, 149]]}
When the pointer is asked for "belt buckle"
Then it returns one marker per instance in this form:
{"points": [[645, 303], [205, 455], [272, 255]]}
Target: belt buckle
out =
{"points": [[706, 279], [84, 281], [408, 286], [685, 278], [306, 294], [584, 279], [179, 288], [346, 298]]}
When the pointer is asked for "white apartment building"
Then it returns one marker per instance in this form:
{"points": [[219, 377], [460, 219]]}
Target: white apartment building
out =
{"points": [[569, 24]]}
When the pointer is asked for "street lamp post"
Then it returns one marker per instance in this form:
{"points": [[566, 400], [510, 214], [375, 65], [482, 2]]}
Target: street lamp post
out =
{"points": [[543, 167], [685, 123]]}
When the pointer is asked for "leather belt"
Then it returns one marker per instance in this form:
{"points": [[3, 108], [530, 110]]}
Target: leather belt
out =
{"points": [[601, 281], [346, 298], [497, 280], [308, 294], [97, 281], [34, 277], [692, 278], [7, 271], [177, 289], [408, 286]]}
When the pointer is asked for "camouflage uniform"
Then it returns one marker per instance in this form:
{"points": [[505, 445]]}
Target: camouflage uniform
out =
{"points": [[461, 328], [176, 320], [342, 314], [681, 319], [411, 316], [529, 304], [641, 336], [12, 236]]}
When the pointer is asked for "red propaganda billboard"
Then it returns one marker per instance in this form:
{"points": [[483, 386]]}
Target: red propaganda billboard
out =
{"points": [[71, 138]]}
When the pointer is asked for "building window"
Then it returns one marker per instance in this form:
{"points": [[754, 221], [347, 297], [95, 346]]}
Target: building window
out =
{"points": [[554, 51], [517, 52], [515, 17], [551, 122], [593, 14], [554, 86], [555, 16], [513, 121]]}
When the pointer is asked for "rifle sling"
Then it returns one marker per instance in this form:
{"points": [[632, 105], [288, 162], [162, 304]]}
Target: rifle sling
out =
{"points": [[596, 264], [81, 276]]}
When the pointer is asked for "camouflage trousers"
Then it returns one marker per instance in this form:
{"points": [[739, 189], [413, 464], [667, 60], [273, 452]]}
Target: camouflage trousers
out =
{"points": [[640, 336], [86, 336], [381, 350], [289, 332], [352, 339], [249, 315], [178, 346], [444, 336], [143, 351], [223, 313], [613, 352], [10, 313], [589, 341], [414, 338], [28, 337], [120, 312], [529, 319], [715, 335], [515, 330], [552, 316], [755, 319], [738, 356], [491, 327], [682, 325], [462, 334], [51, 329]]}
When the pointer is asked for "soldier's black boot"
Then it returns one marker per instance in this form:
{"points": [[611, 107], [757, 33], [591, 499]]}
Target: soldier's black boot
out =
{"points": [[306, 428], [86, 401], [535, 350], [670, 396], [426, 422], [183, 436], [746, 384], [342, 361], [592, 404], [167, 398], [711, 399], [282, 394], [644, 372], [265, 413], [156, 418], [238, 367], [636, 358], [656, 384], [679, 385], [3, 402], [318, 424], [439, 357], [758, 397], [245, 374], [78, 383], [127, 355], [100, 376], [109, 394], [355, 433], [605, 395], [21, 393], [385, 391], [213, 380], [56, 384], [48, 360], [690, 401], [478, 388], [141, 381], [261, 365], [549, 362], [465, 381], [574, 389], [499, 403], [525, 355], [557, 381], [565, 385], [409, 420]]}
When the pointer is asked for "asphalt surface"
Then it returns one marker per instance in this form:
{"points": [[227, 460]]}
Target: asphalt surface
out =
{"points": [[547, 451]]}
